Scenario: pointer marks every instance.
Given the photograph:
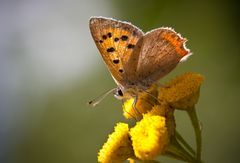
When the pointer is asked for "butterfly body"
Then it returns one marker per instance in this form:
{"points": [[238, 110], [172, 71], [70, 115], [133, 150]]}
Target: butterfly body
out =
{"points": [[134, 59]]}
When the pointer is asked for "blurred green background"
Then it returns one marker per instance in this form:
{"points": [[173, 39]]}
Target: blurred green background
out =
{"points": [[50, 68]]}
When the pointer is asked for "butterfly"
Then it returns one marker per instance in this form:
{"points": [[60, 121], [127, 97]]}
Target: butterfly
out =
{"points": [[135, 59]]}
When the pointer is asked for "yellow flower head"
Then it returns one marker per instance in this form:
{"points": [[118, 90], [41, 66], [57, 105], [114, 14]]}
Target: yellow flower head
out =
{"points": [[161, 110], [155, 107], [144, 103], [183, 91], [149, 137], [166, 111], [118, 146]]}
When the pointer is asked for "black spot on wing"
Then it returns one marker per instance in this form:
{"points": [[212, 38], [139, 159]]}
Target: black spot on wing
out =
{"points": [[104, 37], [111, 49], [116, 61], [130, 46], [109, 34], [124, 38], [116, 39], [120, 70]]}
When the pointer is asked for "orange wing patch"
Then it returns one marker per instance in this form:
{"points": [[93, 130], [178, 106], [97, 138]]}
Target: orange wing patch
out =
{"points": [[177, 42]]}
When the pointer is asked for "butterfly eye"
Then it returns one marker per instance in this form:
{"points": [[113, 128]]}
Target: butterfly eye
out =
{"points": [[118, 94]]}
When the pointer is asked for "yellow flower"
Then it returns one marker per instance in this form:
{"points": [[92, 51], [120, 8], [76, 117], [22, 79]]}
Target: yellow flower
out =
{"points": [[183, 91], [160, 110], [144, 103], [149, 137], [153, 135], [118, 146], [166, 111]]}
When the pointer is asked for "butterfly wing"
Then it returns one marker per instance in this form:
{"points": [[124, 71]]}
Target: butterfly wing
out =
{"points": [[116, 42], [161, 51]]}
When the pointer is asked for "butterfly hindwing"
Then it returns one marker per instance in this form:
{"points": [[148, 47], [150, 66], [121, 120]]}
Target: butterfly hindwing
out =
{"points": [[161, 51], [116, 42]]}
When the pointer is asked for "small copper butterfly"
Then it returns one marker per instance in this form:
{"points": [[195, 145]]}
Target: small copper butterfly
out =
{"points": [[136, 60]]}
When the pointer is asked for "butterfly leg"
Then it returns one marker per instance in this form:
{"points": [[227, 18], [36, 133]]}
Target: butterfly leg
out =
{"points": [[154, 97], [134, 106], [127, 111]]}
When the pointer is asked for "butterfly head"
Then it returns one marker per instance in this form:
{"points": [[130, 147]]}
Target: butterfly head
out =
{"points": [[126, 93], [119, 94]]}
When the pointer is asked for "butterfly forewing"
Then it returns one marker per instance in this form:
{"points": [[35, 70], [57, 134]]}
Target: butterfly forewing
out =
{"points": [[116, 42], [161, 51]]}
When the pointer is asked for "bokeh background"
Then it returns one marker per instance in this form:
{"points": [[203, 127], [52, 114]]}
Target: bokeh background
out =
{"points": [[50, 68]]}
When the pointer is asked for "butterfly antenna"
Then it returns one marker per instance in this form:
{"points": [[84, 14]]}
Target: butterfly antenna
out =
{"points": [[97, 100]]}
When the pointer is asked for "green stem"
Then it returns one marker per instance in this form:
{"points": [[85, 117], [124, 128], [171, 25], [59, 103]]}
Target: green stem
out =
{"points": [[197, 129], [176, 151], [173, 155], [184, 143]]}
